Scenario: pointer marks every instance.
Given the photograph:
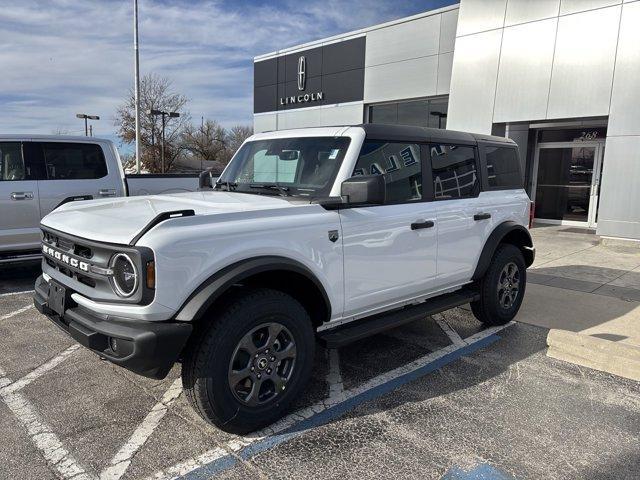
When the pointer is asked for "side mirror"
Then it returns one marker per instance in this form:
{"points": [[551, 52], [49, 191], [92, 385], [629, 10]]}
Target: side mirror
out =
{"points": [[204, 180], [364, 190]]}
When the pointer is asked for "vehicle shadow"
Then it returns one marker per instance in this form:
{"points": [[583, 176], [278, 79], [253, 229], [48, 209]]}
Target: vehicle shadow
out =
{"points": [[19, 277]]}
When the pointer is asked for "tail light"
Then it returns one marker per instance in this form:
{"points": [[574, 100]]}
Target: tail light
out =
{"points": [[532, 212]]}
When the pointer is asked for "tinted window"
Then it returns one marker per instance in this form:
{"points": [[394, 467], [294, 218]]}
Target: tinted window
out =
{"points": [[399, 163], [11, 162], [71, 161], [454, 171], [422, 113], [503, 167]]}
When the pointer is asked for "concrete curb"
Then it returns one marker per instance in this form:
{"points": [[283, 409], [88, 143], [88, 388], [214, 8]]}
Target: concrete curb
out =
{"points": [[621, 359]]}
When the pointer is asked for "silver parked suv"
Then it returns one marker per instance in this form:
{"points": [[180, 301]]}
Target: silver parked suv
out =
{"points": [[321, 233]]}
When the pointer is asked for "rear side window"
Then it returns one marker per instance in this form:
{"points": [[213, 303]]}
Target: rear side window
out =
{"points": [[74, 161], [503, 167], [401, 165], [11, 162], [454, 172]]}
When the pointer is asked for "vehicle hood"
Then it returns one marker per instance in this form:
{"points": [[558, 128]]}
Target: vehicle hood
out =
{"points": [[119, 220]]}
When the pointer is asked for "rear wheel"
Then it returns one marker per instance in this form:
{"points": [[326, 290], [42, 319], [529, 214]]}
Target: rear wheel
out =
{"points": [[251, 362], [502, 287]]}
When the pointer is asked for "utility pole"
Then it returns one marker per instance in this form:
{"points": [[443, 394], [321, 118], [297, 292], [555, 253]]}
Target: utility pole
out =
{"points": [[137, 82], [91, 130], [164, 124]]}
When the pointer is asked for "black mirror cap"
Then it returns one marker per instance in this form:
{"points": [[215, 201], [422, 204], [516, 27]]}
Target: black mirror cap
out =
{"points": [[204, 180], [364, 190]]}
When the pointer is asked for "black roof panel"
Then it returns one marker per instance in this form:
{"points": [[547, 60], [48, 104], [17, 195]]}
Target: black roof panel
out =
{"points": [[406, 133]]}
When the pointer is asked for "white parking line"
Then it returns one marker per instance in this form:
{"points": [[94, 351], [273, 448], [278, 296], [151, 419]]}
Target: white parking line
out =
{"points": [[38, 372], [121, 460], [17, 312], [235, 445], [42, 436], [15, 293], [446, 328]]}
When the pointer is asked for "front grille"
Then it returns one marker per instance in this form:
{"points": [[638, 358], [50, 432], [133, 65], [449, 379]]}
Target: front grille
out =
{"points": [[67, 245]]}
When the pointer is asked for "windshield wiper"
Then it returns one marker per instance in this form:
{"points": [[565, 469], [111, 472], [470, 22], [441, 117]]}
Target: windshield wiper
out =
{"points": [[230, 185], [284, 191]]}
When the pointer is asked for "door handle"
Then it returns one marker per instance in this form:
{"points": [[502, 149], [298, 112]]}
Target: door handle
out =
{"points": [[481, 216], [107, 192], [422, 224], [21, 195]]}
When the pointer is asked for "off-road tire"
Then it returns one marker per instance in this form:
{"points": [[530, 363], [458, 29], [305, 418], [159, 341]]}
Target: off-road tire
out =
{"points": [[206, 361], [488, 308]]}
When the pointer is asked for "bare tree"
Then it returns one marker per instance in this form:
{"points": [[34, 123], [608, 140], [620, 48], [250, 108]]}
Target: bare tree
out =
{"points": [[205, 142], [236, 135], [156, 93]]}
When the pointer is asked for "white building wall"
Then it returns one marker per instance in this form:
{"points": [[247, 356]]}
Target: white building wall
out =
{"points": [[520, 60]]}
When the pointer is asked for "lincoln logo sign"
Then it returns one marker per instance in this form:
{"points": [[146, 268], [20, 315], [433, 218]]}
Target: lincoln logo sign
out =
{"points": [[302, 84]]}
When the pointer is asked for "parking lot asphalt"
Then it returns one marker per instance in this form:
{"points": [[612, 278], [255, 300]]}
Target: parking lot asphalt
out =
{"points": [[438, 398]]}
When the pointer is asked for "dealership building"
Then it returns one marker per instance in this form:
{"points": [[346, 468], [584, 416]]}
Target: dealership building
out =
{"points": [[560, 77]]}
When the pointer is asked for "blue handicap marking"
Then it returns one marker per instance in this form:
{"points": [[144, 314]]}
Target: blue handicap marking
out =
{"points": [[483, 471]]}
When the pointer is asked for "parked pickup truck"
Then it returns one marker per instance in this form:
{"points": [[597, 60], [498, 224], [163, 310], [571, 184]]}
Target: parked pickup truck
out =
{"points": [[320, 233], [40, 173]]}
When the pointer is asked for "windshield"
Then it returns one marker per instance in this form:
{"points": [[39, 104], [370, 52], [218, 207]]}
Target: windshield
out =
{"points": [[286, 166]]}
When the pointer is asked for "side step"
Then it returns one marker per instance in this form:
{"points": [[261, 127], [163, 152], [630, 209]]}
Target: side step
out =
{"points": [[359, 329]]}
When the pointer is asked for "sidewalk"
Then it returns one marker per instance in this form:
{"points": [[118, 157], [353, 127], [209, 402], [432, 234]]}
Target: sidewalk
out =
{"points": [[588, 295]]}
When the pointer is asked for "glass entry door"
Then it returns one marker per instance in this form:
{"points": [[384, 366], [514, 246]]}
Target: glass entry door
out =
{"points": [[568, 182]]}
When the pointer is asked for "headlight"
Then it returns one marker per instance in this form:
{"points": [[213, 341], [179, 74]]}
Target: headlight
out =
{"points": [[125, 275]]}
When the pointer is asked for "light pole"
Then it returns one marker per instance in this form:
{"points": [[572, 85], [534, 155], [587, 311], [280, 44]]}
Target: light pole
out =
{"points": [[164, 123], [87, 117], [136, 79]]}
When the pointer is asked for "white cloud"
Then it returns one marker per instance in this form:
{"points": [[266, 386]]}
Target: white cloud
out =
{"points": [[62, 57]]}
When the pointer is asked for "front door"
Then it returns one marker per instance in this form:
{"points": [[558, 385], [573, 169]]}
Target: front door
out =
{"points": [[390, 251], [568, 182]]}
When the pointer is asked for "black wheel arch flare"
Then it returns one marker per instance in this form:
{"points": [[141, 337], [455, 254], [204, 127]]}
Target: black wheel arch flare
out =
{"points": [[220, 282], [507, 232]]}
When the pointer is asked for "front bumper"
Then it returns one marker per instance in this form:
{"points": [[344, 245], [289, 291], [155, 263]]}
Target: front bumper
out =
{"points": [[146, 348]]}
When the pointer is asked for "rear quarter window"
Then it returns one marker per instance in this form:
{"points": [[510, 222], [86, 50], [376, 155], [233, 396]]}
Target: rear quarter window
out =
{"points": [[74, 161], [503, 167]]}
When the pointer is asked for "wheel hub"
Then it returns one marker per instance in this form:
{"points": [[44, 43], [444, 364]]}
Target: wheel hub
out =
{"points": [[262, 364], [508, 285]]}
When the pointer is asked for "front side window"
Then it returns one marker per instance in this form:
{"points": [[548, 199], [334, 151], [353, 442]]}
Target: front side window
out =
{"points": [[399, 163], [11, 162], [73, 161], [454, 171], [503, 167], [292, 166]]}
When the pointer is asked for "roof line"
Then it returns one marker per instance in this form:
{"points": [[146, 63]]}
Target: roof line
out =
{"points": [[354, 33]]}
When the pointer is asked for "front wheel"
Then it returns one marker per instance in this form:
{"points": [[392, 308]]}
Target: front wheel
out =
{"points": [[252, 361], [502, 287]]}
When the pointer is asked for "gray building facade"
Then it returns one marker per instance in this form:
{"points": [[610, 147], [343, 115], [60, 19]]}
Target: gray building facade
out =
{"points": [[560, 77]]}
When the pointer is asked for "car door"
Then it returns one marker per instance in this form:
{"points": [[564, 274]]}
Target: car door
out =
{"points": [[19, 206], [460, 215], [389, 250], [75, 171]]}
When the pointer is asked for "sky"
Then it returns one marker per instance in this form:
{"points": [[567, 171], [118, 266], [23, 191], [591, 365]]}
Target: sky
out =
{"points": [[62, 57]]}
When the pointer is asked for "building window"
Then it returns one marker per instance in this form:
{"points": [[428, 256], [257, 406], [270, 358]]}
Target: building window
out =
{"points": [[422, 113]]}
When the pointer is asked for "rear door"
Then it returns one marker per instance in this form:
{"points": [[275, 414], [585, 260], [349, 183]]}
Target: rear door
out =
{"points": [[19, 206], [461, 218], [390, 250], [76, 171]]}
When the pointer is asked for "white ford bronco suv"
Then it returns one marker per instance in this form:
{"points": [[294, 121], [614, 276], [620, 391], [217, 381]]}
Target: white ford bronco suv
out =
{"points": [[329, 234]]}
